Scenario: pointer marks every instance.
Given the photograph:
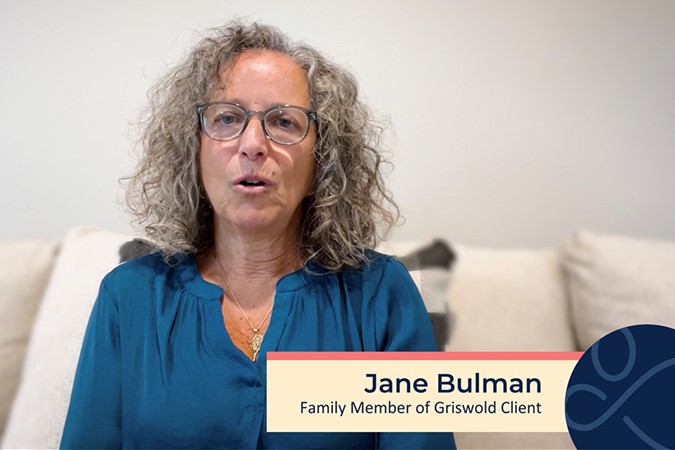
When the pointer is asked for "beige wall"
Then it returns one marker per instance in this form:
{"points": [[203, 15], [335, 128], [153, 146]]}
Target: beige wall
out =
{"points": [[513, 122]]}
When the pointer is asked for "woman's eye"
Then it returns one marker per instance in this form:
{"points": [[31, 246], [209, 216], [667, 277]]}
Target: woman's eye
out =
{"points": [[285, 122], [227, 119]]}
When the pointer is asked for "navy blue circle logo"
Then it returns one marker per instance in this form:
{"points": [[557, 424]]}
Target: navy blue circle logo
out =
{"points": [[621, 394]]}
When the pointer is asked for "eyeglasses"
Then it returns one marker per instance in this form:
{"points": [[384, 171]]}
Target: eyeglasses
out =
{"points": [[285, 125]]}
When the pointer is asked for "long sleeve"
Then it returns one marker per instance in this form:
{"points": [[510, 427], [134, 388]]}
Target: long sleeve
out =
{"points": [[405, 326], [94, 415]]}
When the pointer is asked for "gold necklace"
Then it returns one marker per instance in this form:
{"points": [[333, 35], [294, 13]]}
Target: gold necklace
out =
{"points": [[256, 340]]}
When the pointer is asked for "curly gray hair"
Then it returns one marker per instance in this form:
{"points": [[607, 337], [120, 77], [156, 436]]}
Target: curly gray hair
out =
{"points": [[349, 205]]}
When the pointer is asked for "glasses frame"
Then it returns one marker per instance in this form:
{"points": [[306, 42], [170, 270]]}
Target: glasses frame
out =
{"points": [[249, 114]]}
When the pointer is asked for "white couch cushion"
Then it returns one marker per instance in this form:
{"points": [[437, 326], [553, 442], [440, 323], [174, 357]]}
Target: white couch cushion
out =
{"points": [[617, 281], [39, 410], [509, 300], [24, 271]]}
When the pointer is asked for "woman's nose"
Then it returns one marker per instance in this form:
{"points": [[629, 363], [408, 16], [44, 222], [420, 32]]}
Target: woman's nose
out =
{"points": [[253, 142]]}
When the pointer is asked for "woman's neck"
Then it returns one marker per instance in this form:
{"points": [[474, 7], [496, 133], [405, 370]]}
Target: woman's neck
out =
{"points": [[257, 255]]}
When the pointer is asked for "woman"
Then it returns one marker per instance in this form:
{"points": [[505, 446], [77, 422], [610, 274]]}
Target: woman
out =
{"points": [[260, 183]]}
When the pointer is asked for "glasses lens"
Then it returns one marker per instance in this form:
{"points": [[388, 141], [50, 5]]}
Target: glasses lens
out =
{"points": [[223, 121], [287, 125]]}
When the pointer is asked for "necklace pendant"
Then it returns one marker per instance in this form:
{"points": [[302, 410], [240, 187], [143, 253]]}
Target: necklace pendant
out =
{"points": [[256, 342]]}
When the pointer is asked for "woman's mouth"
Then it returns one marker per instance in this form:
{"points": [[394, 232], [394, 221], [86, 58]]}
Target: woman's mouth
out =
{"points": [[252, 184]]}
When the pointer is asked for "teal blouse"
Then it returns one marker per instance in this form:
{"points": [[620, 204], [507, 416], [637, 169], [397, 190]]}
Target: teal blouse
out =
{"points": [[158, 370]]}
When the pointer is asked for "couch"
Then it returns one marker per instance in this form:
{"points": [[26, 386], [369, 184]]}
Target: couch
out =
{"points": [[561, 299]]}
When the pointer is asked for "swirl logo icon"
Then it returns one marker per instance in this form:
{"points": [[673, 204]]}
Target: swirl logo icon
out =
{"points": [[621, 394]]}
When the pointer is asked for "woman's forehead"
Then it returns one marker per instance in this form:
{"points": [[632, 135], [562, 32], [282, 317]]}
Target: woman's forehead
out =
{"points": [[263, 73]]}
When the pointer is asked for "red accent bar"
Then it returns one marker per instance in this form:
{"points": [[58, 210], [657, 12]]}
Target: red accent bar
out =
{"points": [[422, 356]]}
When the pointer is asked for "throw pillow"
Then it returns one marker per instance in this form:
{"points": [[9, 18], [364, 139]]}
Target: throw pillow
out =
{"points": [[616, 281], [509, 300], [429, 266], [24, 271], [40, 407]]}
